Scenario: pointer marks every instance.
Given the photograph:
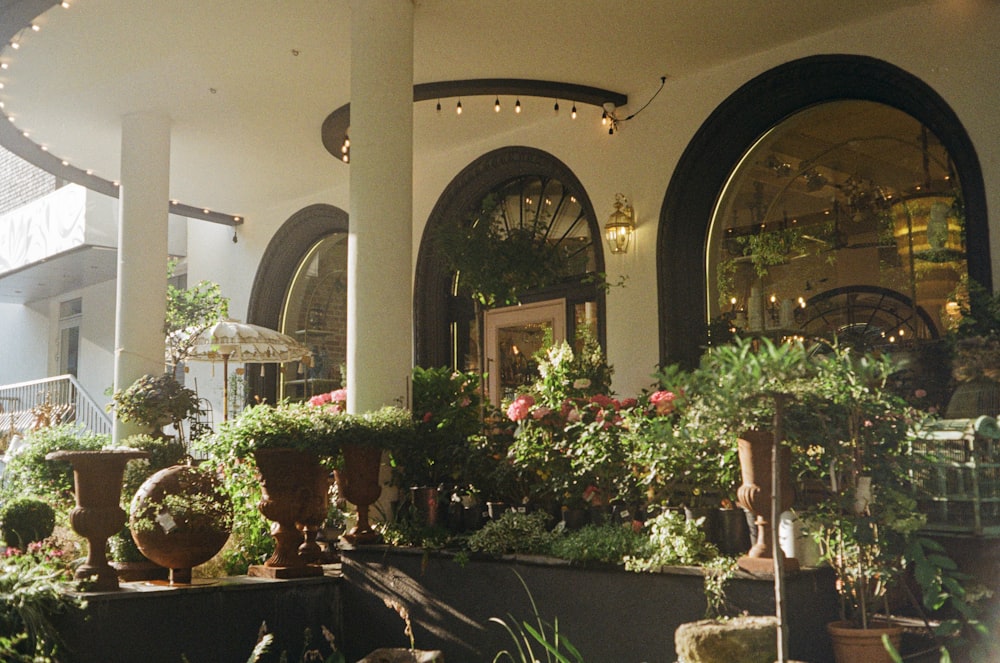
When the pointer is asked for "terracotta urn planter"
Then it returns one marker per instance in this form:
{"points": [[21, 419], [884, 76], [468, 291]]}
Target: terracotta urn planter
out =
{"points": [[358, 482], [180, 518], [288, 496], [314, 516], [754, 495], [97, 477], [862, 645]]}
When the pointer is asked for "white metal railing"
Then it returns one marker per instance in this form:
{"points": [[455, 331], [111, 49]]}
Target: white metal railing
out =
{"points": [[61, 398]]}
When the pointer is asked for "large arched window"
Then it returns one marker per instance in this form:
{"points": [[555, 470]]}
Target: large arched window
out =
{"points": [[295, 290], [845, 220], [751, 118], [542, 230]]}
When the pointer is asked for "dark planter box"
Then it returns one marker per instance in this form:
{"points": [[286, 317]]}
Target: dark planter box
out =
{"points": [[610, 615], [207, 623]]}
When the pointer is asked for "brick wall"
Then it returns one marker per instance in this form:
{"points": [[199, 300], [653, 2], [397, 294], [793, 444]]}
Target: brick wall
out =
{"points": [[20, 182]]}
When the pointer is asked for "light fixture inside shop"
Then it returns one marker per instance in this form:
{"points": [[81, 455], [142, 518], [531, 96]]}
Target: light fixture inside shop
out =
{"points": [[620, 227]]}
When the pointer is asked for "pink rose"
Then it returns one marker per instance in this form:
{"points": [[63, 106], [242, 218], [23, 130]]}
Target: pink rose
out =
{"points": [[629, 403], [520, 407], [920, 393], [662, 401]]}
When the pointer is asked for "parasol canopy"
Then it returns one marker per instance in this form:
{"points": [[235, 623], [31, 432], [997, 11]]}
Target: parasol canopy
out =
{"points": [[231, 340]]}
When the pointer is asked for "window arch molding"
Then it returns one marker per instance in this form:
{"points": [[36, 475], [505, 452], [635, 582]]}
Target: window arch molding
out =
{"points": [[286, 250], [737, 123], [432, 280]]}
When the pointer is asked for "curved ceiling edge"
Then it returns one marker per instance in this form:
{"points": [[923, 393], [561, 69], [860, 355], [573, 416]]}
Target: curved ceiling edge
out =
{"points": [[336, 123]]}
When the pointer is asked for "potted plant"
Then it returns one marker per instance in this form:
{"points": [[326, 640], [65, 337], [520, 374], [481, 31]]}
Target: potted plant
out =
{"points": [[180, 517], [154, 402], [432, 463], [867, 528], [287, 443], [361, 439], [738, 389]]}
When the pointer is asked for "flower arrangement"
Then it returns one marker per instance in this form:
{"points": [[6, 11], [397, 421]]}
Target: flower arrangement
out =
{"points": [[570, 431]]}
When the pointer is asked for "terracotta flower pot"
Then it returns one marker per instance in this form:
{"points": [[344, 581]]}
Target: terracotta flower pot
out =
{"points": [[857, 645]]}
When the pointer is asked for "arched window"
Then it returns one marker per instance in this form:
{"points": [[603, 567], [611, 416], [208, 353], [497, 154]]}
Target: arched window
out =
{"points": [[528, 234], [295, 291], [315, 314], [845, 220], [895, 110]]}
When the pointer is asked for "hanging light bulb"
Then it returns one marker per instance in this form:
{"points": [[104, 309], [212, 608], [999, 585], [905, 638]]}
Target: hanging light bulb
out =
{"points": [[458, 107], [556, 107], [572, 112], [604, 118], [496, 104], [517, 106], [439, 106]]}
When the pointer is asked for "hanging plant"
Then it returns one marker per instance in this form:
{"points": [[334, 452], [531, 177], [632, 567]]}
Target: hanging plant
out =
{"points": [[498, 258]]}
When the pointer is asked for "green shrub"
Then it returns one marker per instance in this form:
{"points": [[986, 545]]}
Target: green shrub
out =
{"points": [[514, 533], [672, 540], [28, 473], [25, 520], [609, 543], [31, 592]]}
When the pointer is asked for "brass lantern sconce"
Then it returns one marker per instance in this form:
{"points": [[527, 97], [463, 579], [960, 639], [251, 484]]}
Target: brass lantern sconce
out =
{"points": [[620, 226]]}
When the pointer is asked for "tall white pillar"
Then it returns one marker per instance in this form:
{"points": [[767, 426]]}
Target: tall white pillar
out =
{"points": [[380, 243], [141, 296]]}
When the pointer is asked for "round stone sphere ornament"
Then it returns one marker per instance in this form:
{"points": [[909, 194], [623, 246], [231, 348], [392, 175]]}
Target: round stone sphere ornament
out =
{"points": [[180, 517]]}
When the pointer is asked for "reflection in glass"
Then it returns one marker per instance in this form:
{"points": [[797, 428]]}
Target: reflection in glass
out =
{"points": [[315, 314], [846, 219]]}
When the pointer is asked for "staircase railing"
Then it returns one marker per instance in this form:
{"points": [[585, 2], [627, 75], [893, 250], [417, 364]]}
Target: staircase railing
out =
{"points": [[59, 399]]}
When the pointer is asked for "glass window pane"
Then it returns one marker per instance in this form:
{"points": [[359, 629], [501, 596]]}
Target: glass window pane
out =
{"points": [[845, 219], [316, 315]]}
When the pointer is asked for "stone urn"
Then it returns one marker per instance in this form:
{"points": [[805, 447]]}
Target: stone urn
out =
{"points": [[754, 495], [97, 478], [288, 497], [358, 483], [180, 517]]}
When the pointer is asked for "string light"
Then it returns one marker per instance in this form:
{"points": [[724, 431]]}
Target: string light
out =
{"points": [[556, 107], [458, 107], [517, 106], [496, 105], [572, 111], [439, 106]]}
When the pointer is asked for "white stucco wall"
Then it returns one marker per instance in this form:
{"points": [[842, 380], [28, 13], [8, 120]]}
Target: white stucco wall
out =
{"points": [[948, 45]]}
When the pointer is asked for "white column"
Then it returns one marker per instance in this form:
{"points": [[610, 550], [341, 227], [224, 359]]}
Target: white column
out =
{"points": [[380, 243], [142, 252]]}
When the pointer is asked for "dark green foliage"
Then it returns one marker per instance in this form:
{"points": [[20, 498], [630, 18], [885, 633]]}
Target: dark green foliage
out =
{"points": [[25, 520], [28, 473], [609, 543], [514, 533], [31, 591]]}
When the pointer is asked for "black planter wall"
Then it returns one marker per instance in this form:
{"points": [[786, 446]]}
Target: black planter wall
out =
{"points": [[611, 616]]}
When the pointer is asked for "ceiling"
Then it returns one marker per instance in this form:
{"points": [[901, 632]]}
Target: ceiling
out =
{"points": [[248, 83]]}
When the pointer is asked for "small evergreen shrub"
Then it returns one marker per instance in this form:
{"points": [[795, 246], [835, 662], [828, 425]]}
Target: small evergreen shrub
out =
{"points": [[514, 533], [25, 520]]}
